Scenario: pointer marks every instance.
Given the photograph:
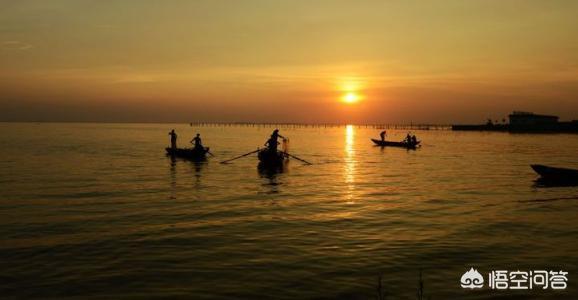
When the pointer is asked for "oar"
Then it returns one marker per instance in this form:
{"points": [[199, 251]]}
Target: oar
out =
{"points": [[228, 160], [207, 150], [297, 158]]}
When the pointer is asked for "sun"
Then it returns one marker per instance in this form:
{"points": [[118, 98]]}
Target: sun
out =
{"points": [[351, 89], [350, 98]]}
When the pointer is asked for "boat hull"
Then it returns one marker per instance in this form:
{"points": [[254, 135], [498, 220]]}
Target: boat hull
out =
{"points": [[190, 154], [395, 144], [268, 159], [556, 174]]}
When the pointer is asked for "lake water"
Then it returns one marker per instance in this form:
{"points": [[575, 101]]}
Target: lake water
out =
{"points": [[95, 211]]}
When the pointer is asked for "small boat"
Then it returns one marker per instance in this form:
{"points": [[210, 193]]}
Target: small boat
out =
{"points": [[556, 174], [268, 159], [194, 154], [396, 144]]}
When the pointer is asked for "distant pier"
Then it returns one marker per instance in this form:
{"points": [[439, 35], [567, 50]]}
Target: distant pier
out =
{"points": [[518, 122], [525, 122], [323, 125]]}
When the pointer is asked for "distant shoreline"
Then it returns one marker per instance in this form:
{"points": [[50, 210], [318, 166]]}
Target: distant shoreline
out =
{"points": [[505, 128], [563, 127]]}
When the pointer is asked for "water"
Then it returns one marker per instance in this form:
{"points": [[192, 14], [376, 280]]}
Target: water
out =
{"points": [[93, 211]]}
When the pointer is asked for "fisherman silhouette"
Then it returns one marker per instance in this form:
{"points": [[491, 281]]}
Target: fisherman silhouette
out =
{"points": [[382, 135], [173, 139], [272, 142], [197, 142], [408, 138]]}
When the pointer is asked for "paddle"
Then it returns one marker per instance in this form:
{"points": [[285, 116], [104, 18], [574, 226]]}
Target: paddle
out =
{"points": [[207, 151], [228, 160], [297, 158]]}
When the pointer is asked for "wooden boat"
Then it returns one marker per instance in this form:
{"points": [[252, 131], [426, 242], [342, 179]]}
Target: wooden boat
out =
{"points": [[556, 174], [195, 154], [268, 159], [395, 144]]}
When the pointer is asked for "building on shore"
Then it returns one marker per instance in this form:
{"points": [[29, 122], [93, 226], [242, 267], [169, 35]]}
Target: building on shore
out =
{"points": [[525, 122], [521, 118]]}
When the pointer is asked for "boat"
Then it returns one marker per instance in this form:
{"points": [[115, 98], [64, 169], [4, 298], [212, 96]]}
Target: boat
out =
{"points": [[556, 174], [268, 159], [395, 144], [194, 154]]}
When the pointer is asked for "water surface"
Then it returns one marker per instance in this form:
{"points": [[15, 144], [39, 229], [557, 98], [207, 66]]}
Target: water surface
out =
{"points": [[93, 211]]}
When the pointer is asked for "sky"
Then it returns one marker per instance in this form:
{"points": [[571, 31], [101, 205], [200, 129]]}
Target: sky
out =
{"points": [[310, 61]]}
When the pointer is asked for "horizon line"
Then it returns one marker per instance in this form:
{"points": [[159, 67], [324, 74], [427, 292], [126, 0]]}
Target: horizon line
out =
{"points": [[240, 123]]}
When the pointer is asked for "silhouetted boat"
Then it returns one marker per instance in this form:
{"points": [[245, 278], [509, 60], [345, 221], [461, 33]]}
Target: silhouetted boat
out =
{"points": [[191, 154], [556, 174], [396, 144], [268, 159]]}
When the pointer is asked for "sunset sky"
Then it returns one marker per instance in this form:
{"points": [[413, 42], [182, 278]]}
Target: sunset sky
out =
{"points": [[286, 60]]}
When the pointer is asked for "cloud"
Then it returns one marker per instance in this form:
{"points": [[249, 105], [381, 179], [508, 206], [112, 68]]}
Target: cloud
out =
{"points": [[16, 45]]}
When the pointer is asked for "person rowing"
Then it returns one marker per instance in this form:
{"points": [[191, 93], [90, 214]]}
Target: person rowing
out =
{"points": [[382, 135], [173, 135], [197, 142], [272, 142]]}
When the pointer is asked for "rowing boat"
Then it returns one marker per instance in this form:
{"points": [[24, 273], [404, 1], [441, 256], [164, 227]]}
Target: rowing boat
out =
{"points": [[268, 159], [396, 144], [195, 154], [556, 174]]}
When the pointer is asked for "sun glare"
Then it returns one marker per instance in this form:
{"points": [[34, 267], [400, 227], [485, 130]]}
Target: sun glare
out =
{"points": [[350, 88], [350, 98]]}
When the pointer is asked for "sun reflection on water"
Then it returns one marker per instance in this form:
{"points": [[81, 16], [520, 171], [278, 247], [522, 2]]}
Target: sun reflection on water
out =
{"points": [[349, 166]]}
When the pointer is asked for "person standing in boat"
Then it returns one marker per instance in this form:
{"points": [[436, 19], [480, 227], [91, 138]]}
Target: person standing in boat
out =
{"points": [[173, 139], [414, 140], [408, 138], [382, 135], [197, 142], [272, 142]]}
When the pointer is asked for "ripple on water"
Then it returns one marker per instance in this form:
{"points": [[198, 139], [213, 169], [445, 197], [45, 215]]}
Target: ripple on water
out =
{"points": [[101, 212]]}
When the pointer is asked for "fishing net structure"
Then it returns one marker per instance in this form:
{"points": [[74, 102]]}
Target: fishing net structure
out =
{"points": [[285, 145]]}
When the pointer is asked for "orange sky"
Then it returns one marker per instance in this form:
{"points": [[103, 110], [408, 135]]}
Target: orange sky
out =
{"points": [[286, 60]]}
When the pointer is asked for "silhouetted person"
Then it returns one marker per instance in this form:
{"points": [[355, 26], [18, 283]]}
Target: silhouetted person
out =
{"points": [[197, 142], [382, 135], [173, 139], [408, 138], [414, 140], [272, 142]]}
